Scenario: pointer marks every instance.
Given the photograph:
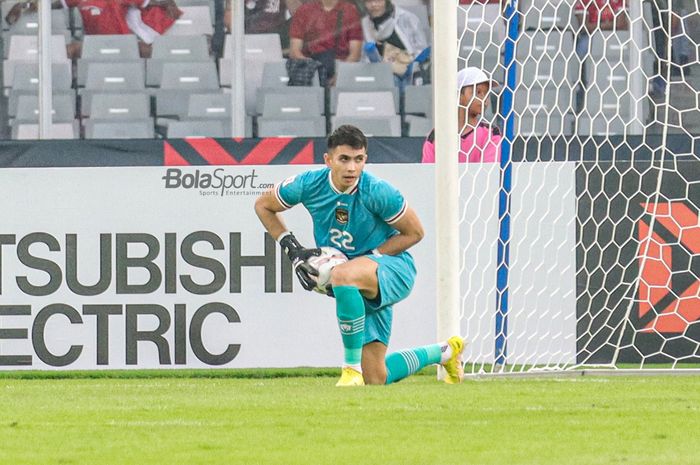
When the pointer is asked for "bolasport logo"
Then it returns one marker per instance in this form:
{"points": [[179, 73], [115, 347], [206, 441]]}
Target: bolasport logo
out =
{"points": [[217, 183]]}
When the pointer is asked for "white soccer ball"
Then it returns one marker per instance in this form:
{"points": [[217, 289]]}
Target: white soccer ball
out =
{"points": [[324, 263]]}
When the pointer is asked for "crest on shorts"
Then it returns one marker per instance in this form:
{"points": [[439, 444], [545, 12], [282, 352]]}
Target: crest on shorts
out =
{"points": [[341, 215]]}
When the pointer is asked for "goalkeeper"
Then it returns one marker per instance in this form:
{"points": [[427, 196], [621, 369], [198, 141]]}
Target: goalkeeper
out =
{"points": [[368, 220]]}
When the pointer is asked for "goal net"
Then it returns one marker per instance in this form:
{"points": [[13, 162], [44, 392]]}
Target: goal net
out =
{"points": [[581, 248]]}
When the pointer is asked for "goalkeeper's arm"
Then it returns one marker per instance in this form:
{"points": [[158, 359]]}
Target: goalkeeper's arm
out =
{"points": [[267, 207], [410, 233]]}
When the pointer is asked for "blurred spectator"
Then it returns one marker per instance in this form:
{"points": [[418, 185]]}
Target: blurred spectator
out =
{"points": [[604, 15], [326, 30], [150, 22], [479, 141], [107, 17], [394, 35], [266, 17]]}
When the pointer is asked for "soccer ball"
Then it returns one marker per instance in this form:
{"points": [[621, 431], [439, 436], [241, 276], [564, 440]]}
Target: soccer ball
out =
{"points": [[324, 263]]}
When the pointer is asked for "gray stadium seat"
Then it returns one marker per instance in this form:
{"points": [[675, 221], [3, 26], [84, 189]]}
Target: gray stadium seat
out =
{"points": [[25, 49], [107, 48], [274, 74], [312, 93], [180, 79], [209, 128], [481, 49], [611, 45], [106, 129], [30, 131], [310, 127], [364, 76], [545, 44], [335, 91], [26, 81], [546, 14], [103, 77], [195, 20], [119, 106], [173, 49], [554, 125], [419, 100], [290, 106], [602, 125], [377, 127], [366, 104], [263, 47], [63, 108], [605, 75], [209, 106], [419, 127], [115, 76], [478, 17]]}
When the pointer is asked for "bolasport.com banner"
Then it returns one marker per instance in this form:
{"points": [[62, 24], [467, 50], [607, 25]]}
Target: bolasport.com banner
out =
{"points": [[169, 267]]}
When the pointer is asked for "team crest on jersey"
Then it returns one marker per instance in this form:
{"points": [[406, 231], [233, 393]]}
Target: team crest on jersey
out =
{"points": [[341, 215]]}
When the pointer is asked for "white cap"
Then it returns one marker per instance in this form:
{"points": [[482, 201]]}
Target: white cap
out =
{"points": [[471, 76]]}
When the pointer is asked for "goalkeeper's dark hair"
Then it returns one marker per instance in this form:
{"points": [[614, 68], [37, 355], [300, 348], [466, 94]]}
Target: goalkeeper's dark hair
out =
{"points": [[347, 135]]}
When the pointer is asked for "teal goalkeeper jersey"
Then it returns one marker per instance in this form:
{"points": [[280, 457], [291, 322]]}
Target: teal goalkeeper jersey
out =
{"points": [[356, 221]]}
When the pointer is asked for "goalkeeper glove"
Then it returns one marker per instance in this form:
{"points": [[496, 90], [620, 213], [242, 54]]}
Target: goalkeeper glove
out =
{"points": [[298, 255]]}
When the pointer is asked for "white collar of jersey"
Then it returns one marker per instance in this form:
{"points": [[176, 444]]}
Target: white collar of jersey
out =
{"points": [[349, 190]]}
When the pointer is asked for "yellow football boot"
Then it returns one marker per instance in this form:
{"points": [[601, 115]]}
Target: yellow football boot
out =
{"points": [[454, 367], [350, 377]]}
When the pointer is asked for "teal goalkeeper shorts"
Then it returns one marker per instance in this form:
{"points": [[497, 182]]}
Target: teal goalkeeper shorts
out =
{"points": [[396, 275]]}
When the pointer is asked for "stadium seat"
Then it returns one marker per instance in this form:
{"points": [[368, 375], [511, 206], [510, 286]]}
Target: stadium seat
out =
{"points": [[105, 77], [209, 106], [610, 45], [310, 93], [173, 49], [28, 23], [372, 127], [364, 76], [63, 108], [419, 100], [210, 128], [606, 74], [290, 106], [107, 49], [119, 106], [529, 124], [207, 3], [366, 104], [602, 125], [30, 131], [195, 20], [275, 75], [481, 49], [478, 17], [264, 47], [180, 79], [133, 129], [546, 14], [419, 127], [204, 108], [24, 48], [310, 127], [25, 78]]}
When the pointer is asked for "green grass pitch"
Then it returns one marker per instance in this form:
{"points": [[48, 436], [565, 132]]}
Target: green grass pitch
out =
{"points": [[260, 417]]}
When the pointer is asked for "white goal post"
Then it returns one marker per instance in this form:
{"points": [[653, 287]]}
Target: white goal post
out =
{"points": [[580, 247]]}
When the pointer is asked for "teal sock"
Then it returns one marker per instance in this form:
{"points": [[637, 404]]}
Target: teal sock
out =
{"points": [[350, 310], [406, 362]]}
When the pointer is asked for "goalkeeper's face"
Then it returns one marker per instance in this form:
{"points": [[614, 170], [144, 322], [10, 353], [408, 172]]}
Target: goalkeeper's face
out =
{"points": [[346, 164]]}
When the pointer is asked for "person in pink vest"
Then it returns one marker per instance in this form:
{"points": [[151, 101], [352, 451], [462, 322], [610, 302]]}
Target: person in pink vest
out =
{"points": [[480, 142]]}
